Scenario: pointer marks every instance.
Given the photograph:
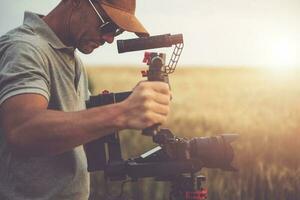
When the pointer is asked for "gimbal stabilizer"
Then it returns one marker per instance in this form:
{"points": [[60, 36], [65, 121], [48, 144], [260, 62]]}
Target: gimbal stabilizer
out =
{"points": [[174, 158]]}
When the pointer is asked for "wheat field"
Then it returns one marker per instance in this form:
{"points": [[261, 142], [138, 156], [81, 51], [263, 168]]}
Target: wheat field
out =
{"points": [[260, 105]]}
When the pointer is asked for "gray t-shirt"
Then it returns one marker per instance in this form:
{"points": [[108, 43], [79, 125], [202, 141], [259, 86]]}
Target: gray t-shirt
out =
{"points": [[34, 60]]}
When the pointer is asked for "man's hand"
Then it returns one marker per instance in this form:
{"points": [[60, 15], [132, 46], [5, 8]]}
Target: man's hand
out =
{"points": [[147, 105]]}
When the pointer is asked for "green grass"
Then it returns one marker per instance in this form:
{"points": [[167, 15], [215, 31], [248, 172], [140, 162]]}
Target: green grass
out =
{"points": [[261, 106]]}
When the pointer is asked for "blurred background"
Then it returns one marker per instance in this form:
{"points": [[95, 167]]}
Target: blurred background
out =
{"points": [[217, 33], [238, 73]]}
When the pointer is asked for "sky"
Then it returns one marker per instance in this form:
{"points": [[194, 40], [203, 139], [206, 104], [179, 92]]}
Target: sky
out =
{"points": [[255, 33]]}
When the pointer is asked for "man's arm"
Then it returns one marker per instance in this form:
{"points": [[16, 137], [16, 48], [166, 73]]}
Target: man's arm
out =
{"points": [[31, 129]]}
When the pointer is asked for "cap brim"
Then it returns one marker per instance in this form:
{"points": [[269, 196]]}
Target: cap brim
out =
{"points": [[125, 20]]}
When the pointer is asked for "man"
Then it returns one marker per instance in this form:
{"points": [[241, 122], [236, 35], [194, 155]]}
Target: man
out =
{"points": [[43, 88]]}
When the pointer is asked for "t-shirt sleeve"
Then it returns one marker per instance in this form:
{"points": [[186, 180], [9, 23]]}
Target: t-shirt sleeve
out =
{"points": [[23, 70]]}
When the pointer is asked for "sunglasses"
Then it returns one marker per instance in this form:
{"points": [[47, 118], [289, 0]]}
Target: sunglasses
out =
{"points": [[107, 27]]}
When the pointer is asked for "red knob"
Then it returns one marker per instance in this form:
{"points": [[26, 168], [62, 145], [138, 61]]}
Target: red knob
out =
{"points": [[147, 57], [144, 73], [201, 194], [105, 92]]}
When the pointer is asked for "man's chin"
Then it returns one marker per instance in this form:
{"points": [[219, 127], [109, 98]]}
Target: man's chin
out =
{"points": [[86, 50]]}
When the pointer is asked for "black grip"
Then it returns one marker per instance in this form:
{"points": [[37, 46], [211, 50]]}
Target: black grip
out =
{"points": [[105, 99], [95, 150], [152, 42], [176, 39]]}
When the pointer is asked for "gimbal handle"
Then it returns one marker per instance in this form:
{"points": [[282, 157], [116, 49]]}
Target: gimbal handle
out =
{"points": [[156, 72]]}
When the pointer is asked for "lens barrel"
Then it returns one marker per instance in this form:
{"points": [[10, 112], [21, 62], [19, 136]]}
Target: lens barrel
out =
{"points": [[213, 152]]}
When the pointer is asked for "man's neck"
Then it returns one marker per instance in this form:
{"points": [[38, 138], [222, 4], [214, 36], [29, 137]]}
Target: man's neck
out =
{"points": [[59, 21]]}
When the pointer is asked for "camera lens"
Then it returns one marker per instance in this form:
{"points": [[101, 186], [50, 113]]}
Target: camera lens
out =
{"points": [[213, 152]]}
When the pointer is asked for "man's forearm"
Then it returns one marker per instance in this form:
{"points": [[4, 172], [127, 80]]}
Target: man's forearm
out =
{"points": [[30, 128], [52, 132]]}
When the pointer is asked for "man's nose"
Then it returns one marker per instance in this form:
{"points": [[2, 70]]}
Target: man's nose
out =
{"points": [[109, 37]]}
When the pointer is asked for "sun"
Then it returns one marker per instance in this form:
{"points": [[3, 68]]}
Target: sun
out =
{"points": [[283, 54]]}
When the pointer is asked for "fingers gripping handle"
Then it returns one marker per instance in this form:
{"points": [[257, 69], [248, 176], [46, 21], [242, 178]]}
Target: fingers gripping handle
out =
{"points": [[156, 64]]}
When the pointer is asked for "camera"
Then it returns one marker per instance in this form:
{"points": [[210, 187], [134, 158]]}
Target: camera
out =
{"points": [[176, 160]]}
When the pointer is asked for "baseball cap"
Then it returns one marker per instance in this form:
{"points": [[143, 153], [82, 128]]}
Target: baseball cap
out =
{"points": [[122, 13]]}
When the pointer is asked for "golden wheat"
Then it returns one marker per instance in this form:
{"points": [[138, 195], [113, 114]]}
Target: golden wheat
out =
{"points": [[260, 106]]}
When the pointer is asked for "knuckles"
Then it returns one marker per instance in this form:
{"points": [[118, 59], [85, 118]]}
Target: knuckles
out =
{"points": [[149, 104], [147, 118], [146, 95]]}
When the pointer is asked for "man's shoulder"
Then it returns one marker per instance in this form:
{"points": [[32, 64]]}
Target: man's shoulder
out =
{"points": [[22, 46], [23, 38]]}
